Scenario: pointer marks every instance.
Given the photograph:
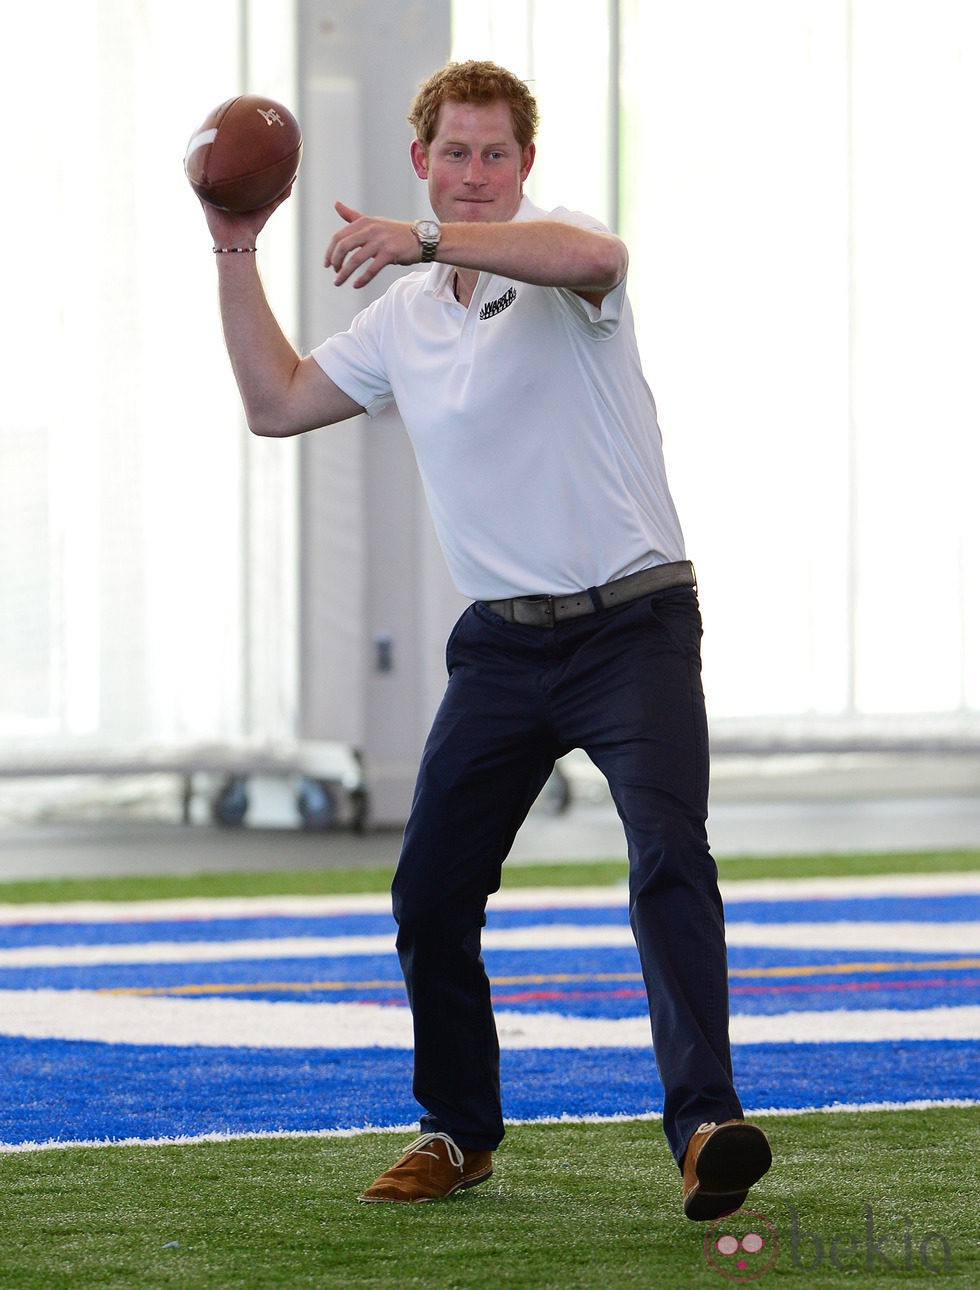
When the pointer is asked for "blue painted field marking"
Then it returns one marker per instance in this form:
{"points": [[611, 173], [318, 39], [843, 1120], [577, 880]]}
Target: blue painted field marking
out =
{"points": [[932, 909], [585, 983], [58, 1091], [82, 1090]]}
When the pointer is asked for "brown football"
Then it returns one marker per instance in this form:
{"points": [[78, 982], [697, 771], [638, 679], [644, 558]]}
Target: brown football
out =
{"points": [[244, 154]]}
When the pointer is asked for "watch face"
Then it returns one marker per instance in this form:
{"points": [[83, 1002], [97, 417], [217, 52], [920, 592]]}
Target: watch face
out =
{"points": [[428, 229]]}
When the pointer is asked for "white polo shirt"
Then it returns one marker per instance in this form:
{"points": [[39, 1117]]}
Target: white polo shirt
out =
{"points": [[535, 432]]}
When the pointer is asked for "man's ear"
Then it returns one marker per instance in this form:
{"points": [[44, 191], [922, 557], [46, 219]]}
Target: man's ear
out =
{"points": [[527, 161], [420, 159]]}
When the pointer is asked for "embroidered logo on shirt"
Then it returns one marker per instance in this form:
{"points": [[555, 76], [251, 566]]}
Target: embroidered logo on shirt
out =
{"points": [[494, 307]]}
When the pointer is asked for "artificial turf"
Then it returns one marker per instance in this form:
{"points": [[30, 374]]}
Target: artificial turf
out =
{"points": [[870, 1199], [334, 881], [873, 1199]]}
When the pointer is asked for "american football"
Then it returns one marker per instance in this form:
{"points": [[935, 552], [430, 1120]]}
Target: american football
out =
{"points": [[244, 154]]}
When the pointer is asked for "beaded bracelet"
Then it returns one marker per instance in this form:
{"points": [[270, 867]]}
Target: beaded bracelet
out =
{"points": [[233, 250]]}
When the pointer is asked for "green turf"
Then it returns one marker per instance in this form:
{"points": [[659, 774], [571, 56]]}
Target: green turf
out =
{"points": [[571, 1206], [868, 1200], [333, 881]]}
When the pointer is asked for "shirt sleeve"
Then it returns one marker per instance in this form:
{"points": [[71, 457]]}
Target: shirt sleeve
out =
{"points": [[352, 359], [601, 321]]}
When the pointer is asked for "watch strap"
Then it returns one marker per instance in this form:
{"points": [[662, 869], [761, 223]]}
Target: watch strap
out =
{"points": [[429, 245]]}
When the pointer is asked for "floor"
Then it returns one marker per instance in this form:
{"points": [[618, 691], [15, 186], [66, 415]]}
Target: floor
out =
{"points": [[799, 808]]}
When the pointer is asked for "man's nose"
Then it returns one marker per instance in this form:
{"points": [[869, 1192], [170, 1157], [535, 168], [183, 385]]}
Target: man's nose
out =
{"points": [[475, 171]]}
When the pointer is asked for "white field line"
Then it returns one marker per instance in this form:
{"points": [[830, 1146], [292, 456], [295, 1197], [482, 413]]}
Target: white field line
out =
{"points": [[239, 1023], [775, 889], [411, 1130], [915, 937], [908, 937]]}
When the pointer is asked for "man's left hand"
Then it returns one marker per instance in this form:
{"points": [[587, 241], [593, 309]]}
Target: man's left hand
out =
{"points": [[369, 243]]}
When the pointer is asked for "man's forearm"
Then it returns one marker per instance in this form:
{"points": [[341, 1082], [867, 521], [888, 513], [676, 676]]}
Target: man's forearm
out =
{"points": [[262, 359], [547, 253], [282, 393]]}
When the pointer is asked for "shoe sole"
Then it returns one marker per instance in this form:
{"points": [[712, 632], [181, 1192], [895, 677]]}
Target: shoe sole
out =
{"points": [[463, 1185], [733, 1158]]}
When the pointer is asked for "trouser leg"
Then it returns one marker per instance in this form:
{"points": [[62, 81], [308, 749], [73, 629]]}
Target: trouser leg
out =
{"points": [[485, 761], [652, 746], [678, 923], [624, 685]]}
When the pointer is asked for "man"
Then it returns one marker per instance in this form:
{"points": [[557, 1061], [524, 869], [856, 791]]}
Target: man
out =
{"points": [[513, 363]]}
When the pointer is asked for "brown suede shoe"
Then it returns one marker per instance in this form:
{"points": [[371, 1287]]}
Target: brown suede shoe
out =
{"points": [[433, 1167], [721, 1163]]}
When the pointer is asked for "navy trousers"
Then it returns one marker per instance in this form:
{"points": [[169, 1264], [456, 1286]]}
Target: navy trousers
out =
{"points": [[624, 684]]}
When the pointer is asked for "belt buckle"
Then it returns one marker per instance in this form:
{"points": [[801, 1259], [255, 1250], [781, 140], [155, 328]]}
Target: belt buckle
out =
{"points": [[543, 610]]}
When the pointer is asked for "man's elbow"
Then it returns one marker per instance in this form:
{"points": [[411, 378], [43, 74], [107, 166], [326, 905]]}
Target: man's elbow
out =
{"points": [[261, 426], [309, 401], [604, 266], [611, 264], [268, 424]]}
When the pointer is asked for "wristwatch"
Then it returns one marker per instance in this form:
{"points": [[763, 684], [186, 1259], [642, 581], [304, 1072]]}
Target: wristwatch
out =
{"points": [[428, 232]]}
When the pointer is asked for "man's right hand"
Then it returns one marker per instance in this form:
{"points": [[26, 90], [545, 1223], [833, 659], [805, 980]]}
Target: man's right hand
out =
{"points": [[229, 228]]}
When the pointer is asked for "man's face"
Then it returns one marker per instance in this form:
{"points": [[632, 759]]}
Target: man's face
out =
{"points": [[474, 166]]}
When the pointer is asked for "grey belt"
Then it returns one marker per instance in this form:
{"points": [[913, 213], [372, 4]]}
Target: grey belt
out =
{"points": [[545, 611]]}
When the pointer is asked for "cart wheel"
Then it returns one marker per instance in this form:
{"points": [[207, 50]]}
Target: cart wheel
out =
{"points": [[230, 804], [316, 804], [360, 810]]}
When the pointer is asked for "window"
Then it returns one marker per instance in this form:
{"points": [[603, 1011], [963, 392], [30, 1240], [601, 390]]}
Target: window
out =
{"points": [[795, 187], [141, 522]]}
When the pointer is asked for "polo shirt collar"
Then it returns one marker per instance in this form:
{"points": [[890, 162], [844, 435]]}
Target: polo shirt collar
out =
{"points": [[440, 276]]}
